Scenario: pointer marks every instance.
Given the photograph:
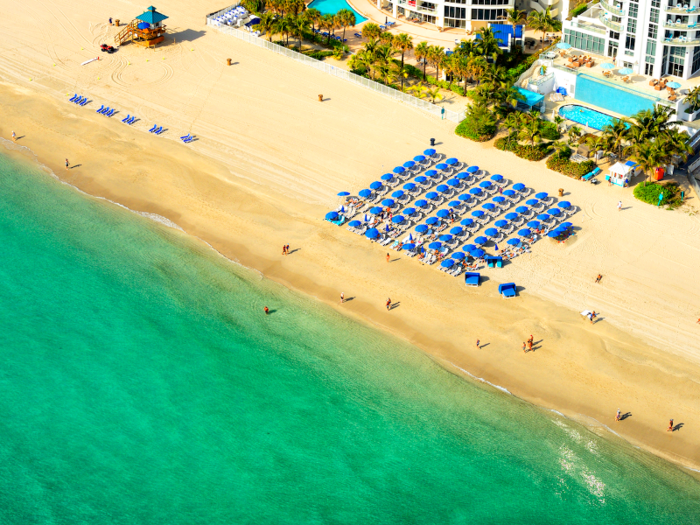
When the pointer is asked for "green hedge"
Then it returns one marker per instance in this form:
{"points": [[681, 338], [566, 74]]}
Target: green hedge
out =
{"points": [[563, 165], [472, 130], [649, 192], [579, 9], [549, 130], [318, 55], [524, 151]]}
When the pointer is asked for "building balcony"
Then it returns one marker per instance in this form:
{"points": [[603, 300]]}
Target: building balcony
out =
{"points": [[677, 10], [680, 27], [615, 26], [579, 25], [681, 42], [610, 7]]}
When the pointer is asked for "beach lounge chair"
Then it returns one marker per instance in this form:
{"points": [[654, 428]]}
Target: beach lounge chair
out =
{"points": [[78, 100], [472, 278], [358, 35], [507, 290], [493, 261], [103, 111], [588, 176], [159, 131], [111, 112], [131, 120], [102, 107], [85, 101], [155, 127], [73, 98], [127, 118]]}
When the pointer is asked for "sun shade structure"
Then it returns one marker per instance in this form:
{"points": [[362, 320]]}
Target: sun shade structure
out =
{"points": [[453, 182], [522, 209], [151, 16], [511, 216], [480, 240], [499, 199], [464, 198], [458, 256], [554, 212], [387, 177], [513, 242], [398, 219], [431, 173], [469, 248], [501, 223], [442, 188], [446, 237], [429, 152], [519, 186], [432, 195], [491, 232], [485, 184], [457, 230], [409, 211], [442, 166], [454, 204], [451, 162], [419, 158], [435, 245], [331, 215], [397, 194], [532, 202], [372, 233], [524, 232], [409, 164], [421, 203], [365, 193], [472, 169], [421, 180], [564, 204], [475, 191], [477, 213], [607, 65], [463, 175], [343, 194], [355, 224], [467, 222], [432, 220], [409, 246], [422, 228], [409, 186], [376, 185], [496, 178], [543, 217], [477, 253], [447, 263], [388, 202], [488, 206], [443, 214], [509, 193], [541, 195], [533, 224], [376, 209], [398, 170]]}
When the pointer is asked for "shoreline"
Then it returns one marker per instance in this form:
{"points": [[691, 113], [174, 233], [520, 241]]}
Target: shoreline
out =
{"points": [[443, 352]]}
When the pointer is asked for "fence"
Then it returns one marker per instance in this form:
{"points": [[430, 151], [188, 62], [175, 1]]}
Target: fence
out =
{"points": [[433, 109]]}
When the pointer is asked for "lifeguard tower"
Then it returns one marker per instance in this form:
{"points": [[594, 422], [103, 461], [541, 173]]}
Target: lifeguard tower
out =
{"points": [[146, 29]]}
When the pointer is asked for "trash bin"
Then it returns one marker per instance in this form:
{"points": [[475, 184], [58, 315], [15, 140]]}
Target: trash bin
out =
{"points": [[561, 192], [228, 61], [116, 22]]}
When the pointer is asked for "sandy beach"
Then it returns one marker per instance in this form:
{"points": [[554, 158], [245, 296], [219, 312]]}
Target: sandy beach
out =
{"points": [[268, 164]]}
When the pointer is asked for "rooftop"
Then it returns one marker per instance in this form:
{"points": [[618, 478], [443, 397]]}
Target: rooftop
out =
{"points": [[152, 16]]}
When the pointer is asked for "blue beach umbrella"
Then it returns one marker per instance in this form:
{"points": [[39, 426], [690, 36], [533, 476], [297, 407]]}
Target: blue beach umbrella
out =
{"points": [[398, 219], [467, 222], [445, 237], [554, 234], [441, 166], [472, 169], [457, 230], [533, 224], [355, 224], [462, 175], [485, 184], [477, 253], [519, 186], [421, 203], [509, 193], [524, 232], [543, 217], [409, 164], [409, 246], [431, 173], [477, 213], [409, 186], [458, 256], [491, 232], [565, 225], [331, 215], [513, 242], [443, 214], [421, 179], [554, 212], [511, 216], [387, 177], [542, 195], [451, 162], [532, 202], [454, 204], [442, 188], [447, 263], [488, 206], [453, 182], [365, 193], [501, 223], [496, 178], [431, 195], [388, 202], [475, 191], [397, 194], [480, 240], [435, 245], [376, 185], [376, 209], [464, 198], [372, 233], [522, 209], [429, 152], [409, 211], [419, 158], [432, 220], [399, 169], [422, 228], [343, 194], [564, 204], [469, 248], [499, 199]]}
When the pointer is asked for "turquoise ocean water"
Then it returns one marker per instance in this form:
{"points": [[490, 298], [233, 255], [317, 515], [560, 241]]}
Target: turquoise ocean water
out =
{"points": [[140, 383]]}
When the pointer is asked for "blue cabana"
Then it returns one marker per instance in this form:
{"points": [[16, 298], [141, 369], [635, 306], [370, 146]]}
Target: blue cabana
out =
{"points": [[530, 100], [432, 220], [387, 177], [398, 170], [376, 185], [494, 261], [507, 290], [443, 214], [519, 186], [472, 169], [372, 233], [447, 263], [471, 278], [365, 193]]}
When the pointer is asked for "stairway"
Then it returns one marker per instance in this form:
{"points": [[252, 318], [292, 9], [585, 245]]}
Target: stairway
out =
{"points": [[125, 34]]}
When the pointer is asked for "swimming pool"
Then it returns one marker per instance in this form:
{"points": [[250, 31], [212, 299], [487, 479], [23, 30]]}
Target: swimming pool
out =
{"points": [[586, 116], [331, 7], [617, 98]]}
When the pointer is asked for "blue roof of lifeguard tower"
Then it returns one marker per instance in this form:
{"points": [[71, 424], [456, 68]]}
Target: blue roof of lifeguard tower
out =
{"points": [[152, 16]]}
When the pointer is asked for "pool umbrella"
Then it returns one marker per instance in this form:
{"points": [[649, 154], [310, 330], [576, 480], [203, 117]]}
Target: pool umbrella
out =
{"points": [[485, 184], [387, 177], [491, 232], [441, 166], [496, 178], [447, 263], [513, 242], [429, 152], [457, 230], [431, 195], [388, 202], [477, 213], [625, 71], [409, 186], [409, 164], [509, 193], [454, 204], [451, 162], [409, 211], [607, 65], [432, 220], [533, 224], [522, 209], [475, 191], [343, 194], [409, 246], [458, 256], [372, 233], [519, 186], [541, 195], [511, 216], [464, 197], [543, 217], [501, 223], [477, 253], [435, 245], [469, 247], [524, 232], [397, 194], [472, 169], [376, 185], [332, 215], [480, 240], [419, 158], [488, 206], [532, 202], [499, 199], [443, 214], [422, 228], [445, 237], [442, 188], [421, 203], [453, 182], [563, 45], [467, 222], [398, 169], [376, 209], [431, 173], [565, 225], [554, 212], [355, 224], [365, 193], [398, 219], [462, 175], [564, 204]]}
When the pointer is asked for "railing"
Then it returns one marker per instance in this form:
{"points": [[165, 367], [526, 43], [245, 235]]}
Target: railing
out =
{"points": [[541, 80], [585, 26], [681, 10], [679, 42], [615, 10], [395, 94], [609, 23], [694, 166], [669, 24]]}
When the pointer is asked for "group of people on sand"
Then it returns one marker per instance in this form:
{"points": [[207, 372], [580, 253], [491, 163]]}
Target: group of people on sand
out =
{"points": [[527, 346]]}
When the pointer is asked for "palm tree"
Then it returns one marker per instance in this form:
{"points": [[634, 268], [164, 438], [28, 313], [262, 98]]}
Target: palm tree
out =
{"points": [[543, 22], [530, 132], [648, 156], [488, 43], [371, 30], [267, 23], [574, 133], [436, 56], [299, 26], [434, 94], [693, 98], [328, 23], [558, 120], [403, 43], [617, 133], [346, 18], [514, 17], [422, 51], [313, 16], [284, 26], [674, 145], [418, 90], [561, 148]]}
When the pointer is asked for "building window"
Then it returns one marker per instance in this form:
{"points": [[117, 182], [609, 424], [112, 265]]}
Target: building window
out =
{"points": [[488, 14], [634, 10], [676, 61], [490, 2], [630, 42], [612, 49], [614, 35], [631, 25], [654, 16], [696, 61], [455, 12], [653, 31], [455, 23], [655, 3], [651, 48], [584, 42], [649, 69]]}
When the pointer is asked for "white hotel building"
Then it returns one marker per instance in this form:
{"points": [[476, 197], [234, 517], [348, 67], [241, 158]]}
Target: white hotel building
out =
{"points": [[653, 37]]}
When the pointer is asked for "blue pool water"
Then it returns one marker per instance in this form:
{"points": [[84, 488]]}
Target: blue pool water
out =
{"points": [[331, 7], [608, 96], [587, 117]]}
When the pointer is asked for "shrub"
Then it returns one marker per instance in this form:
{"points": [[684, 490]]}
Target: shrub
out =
{"points": [[479, 124], [563, 165], [549, 130], [579, 9], [318, 55], [524, 151], [649, 192]]}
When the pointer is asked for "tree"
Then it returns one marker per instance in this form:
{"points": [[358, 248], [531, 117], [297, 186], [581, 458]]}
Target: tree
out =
{"points": [[346, 18], [328, 23], [617, 133], [530, 132], [434, 94], [514, 17], [313, 16], [575, 133], [403, 43], [298, 26], [558, 120], [267, 24], [543, 21], [284, 26], [418, 91], [422, 51], [648, 156], [693, 98], [371, 30], [487, 45], [436, 56], [386, 38]]}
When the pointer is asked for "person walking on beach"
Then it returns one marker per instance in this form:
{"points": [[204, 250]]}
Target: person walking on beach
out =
{"points": [[388, 257], [67, 164], [524, 347], [267, 310], [670, 426], [618, 416], [619, 205], [388, 303], [529, 345], [342, 297], [14, 137], [593, 316], [478, 343], [284, 249], [597, 279]]}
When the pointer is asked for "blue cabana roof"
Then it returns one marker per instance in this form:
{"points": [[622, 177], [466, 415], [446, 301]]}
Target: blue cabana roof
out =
{"points": [[152, 16]]}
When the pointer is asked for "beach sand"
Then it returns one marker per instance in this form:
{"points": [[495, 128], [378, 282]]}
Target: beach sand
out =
{"points": [[267, 166]]}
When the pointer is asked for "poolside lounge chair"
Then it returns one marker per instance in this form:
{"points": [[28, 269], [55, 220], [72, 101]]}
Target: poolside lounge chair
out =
{"points": [[507, 290], [590, 175]]}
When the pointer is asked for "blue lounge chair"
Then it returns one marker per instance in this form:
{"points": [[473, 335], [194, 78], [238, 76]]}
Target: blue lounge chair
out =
{"points": [[188, 140], [131, 121], [472, 278], [73, 98], [358, 35], [110, 113], [100, 110], [590, 175], [185, 137], [126, 118], [105, 110], [507, 290], [159, 130], [78, 100], [85, 101], [155, 127]]}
